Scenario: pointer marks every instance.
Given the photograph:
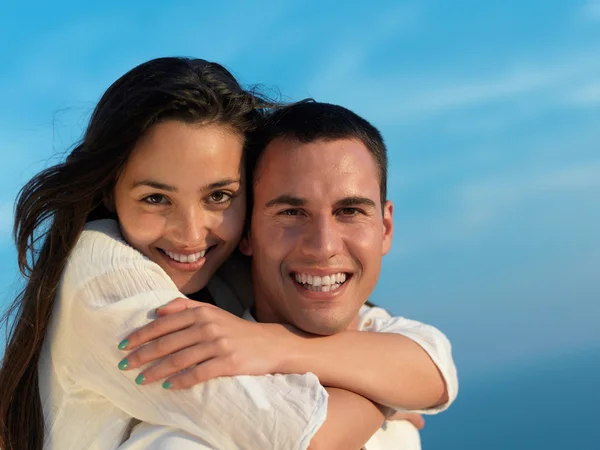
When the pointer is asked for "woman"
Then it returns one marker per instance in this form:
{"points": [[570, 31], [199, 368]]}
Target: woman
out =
{"points": [[170, 126]]}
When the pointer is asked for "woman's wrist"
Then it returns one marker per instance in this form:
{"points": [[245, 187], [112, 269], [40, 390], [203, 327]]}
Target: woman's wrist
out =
{"points": [[293, 349]]}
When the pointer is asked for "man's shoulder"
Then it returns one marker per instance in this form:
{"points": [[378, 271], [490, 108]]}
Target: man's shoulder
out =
{"points": [[368, 315]]}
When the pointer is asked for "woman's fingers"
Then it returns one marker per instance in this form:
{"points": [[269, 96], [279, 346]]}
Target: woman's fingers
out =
{"points": [[213, 368], [188, 359], [177, 305], [171, 343], [166, 324]]}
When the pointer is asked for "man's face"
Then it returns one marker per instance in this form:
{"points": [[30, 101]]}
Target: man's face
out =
{"points": [[318, 233]]}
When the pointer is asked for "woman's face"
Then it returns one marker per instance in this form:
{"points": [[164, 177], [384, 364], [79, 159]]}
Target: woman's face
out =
{"points": [[180, 199]]}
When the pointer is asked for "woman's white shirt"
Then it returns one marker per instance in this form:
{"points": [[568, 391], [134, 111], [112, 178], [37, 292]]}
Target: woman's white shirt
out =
{"points": [[109, 289]]}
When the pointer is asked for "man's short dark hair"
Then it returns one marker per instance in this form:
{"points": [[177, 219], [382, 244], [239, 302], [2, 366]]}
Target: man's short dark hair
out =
{"points": [[309, 121]]}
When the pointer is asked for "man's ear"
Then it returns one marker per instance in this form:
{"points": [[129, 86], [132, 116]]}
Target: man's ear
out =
{"points": [[245, 245], [388, 227], [109, 202]]}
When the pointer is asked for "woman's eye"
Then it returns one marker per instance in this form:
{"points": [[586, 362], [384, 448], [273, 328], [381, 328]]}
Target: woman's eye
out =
{"points": [[219, 197], [155, 199]]}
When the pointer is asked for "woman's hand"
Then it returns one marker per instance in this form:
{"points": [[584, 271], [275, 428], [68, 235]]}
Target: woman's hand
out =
{"points": [[197, 341]]}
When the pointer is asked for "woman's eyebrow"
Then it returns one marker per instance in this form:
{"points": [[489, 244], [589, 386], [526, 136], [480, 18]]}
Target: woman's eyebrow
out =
{"points": [[221, 183], [166, 187], [155, 185]]}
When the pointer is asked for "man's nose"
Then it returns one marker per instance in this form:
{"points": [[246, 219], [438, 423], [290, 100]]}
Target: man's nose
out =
{"points": [[322, 239]]}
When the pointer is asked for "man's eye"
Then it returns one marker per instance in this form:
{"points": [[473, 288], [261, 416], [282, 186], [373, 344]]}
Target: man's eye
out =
{"points": [[348, 212], [155, 199], [219, 197], [290, 212]]}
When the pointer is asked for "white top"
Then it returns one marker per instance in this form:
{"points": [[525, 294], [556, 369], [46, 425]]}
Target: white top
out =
{"points": [[109, 289], [393, 435]]}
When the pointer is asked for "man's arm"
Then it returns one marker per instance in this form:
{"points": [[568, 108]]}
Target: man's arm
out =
{"points": [[351, 421]]}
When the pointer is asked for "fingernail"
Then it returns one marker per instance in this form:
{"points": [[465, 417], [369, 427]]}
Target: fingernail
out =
{"points": [[124, 364], [161, 306], [124, 343], [167, 385], [140, 379]]}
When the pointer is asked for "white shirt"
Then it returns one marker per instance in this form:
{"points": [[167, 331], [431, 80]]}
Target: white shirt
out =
{"points": [[399, 434], [109, 289], [393, 435]]}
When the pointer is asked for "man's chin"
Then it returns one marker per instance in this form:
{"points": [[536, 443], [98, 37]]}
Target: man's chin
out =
{"points": [[321, 326]]}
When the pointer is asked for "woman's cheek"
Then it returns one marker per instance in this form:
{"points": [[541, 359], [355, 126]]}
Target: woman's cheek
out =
{"points": [[142, 227]]}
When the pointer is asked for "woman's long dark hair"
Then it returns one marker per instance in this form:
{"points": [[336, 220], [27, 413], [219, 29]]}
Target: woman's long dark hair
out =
{"points": [[53, 206]]}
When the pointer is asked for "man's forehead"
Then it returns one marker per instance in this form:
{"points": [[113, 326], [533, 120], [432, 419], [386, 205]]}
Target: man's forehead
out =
{"points": [[290, 155], [317, 172]]}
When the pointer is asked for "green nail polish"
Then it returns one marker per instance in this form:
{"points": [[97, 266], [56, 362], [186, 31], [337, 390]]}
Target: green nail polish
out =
{"points": [[140, 379], [167, 385], [124, 364], [123, 345]]}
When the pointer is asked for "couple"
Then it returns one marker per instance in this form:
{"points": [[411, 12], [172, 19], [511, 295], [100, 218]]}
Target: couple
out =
{"points": [[165, 161]]}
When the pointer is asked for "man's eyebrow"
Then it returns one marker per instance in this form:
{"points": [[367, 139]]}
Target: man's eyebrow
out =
{"points": [[356, 201], [166, 187], [288, 200]]}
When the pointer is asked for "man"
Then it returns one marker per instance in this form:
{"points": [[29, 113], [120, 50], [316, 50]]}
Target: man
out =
{"points": [[320, 224]]}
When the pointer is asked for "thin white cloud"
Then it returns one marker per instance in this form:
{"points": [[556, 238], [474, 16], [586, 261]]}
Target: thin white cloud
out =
{"points": [[591, 10], [480, 202], [587, 95], [473, 207], [392, 99], [348, 59], [416, 97]]}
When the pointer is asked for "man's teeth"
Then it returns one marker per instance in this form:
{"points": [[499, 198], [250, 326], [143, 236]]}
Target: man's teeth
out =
{"points": [[321, 284], [185, 258]]}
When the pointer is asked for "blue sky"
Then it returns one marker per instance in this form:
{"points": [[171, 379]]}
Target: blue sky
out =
{"points": [[491, 112]]}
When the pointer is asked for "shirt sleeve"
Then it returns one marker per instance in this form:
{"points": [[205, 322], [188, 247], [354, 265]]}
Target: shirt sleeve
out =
{"points": [[432, 340], [157, 437], [107, 290]]}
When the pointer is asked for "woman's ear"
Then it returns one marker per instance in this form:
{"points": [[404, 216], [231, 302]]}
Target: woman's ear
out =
{"points": [[109, 202]]}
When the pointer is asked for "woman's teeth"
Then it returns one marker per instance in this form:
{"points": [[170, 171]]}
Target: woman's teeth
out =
{"points": [[320, 284], [185, 258]]}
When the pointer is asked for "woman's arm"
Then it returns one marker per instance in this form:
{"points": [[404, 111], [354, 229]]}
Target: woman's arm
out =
{"points": [[403, 364], [107, 289], [389, 368], [351, 421]]}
